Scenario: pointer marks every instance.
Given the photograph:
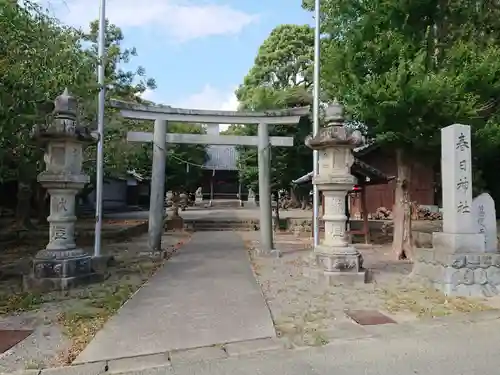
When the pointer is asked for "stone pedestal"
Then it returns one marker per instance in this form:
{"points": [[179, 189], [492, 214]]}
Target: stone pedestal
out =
{"points": [[458, 265], [62, 264], [334, 259]]}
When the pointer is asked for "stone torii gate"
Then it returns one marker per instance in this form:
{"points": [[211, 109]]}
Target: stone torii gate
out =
{"points": [[162, 114]]}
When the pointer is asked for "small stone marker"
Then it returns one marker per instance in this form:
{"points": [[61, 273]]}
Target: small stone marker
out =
{"points": [[485, 221]]}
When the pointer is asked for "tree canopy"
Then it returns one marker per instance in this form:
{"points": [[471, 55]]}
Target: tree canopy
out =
{"points": [[281, 77], [407, 69], [40, 57]]}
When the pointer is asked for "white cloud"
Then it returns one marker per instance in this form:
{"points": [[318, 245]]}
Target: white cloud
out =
{"points": [[148, 94], [208, 98], [178, 19], [211, 98]]}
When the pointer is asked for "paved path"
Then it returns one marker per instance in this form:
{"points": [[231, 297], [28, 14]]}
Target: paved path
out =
{"points": [[205, 295], [460, 349], [216, 213]]}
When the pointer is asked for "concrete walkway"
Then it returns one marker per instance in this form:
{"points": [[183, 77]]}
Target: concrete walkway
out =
{"points": [[205, 295], [461, 349]]}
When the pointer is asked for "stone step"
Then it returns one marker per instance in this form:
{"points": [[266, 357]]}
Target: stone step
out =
{"points": [[214, 227], [224, 203]]}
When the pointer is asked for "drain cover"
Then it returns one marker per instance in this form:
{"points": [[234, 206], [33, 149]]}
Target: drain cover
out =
{"points": [[369, 317], [9, 338]]}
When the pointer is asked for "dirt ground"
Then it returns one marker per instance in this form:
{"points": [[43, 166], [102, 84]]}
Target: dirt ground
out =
{"points": [[64, 322], [304, 311]]}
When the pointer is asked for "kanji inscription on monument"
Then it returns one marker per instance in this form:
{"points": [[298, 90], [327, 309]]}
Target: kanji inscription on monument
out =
{"points": [[457, 177]]}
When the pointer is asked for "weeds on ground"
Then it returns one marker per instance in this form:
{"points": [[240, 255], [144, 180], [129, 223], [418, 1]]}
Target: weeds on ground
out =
{"points": [[83, 311], [97, 305], [429, 303], [19, 302]]}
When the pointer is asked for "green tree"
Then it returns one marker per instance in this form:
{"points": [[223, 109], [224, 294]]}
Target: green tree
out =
{"points": [[280, 78], [39, 58], [184, 161], [120, 84], [407, 69]]}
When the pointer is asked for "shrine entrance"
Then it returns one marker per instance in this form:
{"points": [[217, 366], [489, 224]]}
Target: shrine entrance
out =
{"points": [[160, 139]]}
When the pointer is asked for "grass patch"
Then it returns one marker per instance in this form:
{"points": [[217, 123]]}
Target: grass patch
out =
{"points": [[16, 303], [429, 303], [82, 312], [82, 322]]}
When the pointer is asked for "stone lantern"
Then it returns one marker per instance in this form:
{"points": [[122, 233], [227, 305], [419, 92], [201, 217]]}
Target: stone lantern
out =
{"points": [[62, 264], [335, 258]]}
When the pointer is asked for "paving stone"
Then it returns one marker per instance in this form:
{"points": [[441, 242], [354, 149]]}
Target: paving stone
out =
{"points": [[197, 354], [163, 370], [22, 372], [346, 331], [96, 368], [204, 295], [252, 346], [138, 363]]}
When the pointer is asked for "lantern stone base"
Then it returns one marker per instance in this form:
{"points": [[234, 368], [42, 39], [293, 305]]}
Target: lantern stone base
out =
{"points": [[173, 222], [101, 263], [336, 265], [61, 274]]}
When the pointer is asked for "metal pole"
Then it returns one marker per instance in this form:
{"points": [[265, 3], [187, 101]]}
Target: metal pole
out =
{"points": [[316, 202], [266, 222], [212, 189], [101, 45], [156, 203]]}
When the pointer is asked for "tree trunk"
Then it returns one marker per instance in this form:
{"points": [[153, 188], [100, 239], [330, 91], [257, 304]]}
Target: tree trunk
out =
{"points": [[402, 236], [23, 209]]}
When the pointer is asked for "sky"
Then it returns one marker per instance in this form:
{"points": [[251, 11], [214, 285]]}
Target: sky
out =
{"points": [[198, 51]]}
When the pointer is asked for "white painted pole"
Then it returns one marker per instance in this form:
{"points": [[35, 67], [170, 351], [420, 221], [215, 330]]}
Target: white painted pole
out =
{"points": [[101, 46], [316, 202]]}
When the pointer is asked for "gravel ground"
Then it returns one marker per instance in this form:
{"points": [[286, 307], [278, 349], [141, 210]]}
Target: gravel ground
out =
{"points": [[64, 322], [305, 312]]}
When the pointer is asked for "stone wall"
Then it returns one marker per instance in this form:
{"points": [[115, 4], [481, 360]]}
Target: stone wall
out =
{"points": [[459, 274]]}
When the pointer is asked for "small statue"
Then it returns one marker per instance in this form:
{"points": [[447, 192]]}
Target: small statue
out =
{"points": [[169, 198], [199, 195], [251, 196]]}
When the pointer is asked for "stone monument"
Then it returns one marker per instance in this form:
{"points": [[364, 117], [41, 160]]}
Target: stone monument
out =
{"points": [[199, 195], [335, 259], [62, 264], [251, 197], [459, 263], [485, 220]]}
